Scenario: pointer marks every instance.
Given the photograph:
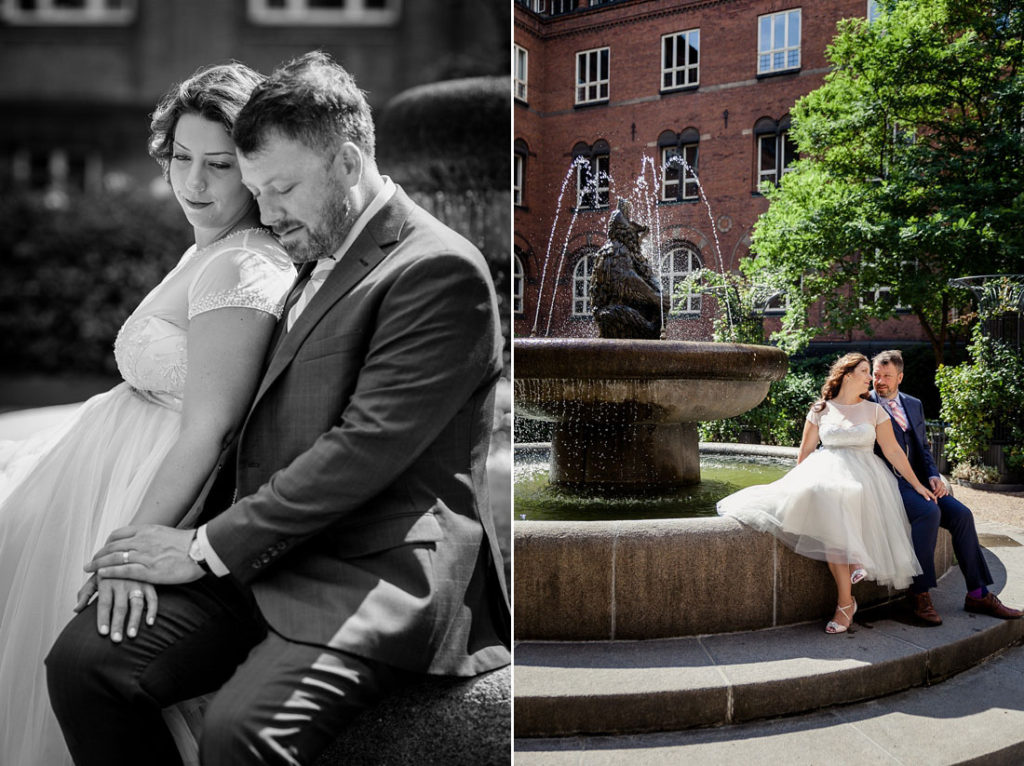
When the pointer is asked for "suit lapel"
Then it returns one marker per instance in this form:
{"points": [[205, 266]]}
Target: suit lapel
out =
{"points": [[369, 249]]}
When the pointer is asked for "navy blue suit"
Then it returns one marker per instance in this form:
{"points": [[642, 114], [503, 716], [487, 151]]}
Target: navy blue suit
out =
{"points": [[925, 516]]}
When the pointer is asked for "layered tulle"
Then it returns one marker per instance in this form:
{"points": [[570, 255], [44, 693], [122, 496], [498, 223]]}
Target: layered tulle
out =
{"points": [[840, 504], [65, 492]]}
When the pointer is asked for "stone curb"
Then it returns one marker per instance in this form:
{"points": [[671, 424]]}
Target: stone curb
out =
{"points": [[615, 687]]}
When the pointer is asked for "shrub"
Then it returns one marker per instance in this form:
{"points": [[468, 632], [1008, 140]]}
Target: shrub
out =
{"points": [[980, 397], [73, 275]]}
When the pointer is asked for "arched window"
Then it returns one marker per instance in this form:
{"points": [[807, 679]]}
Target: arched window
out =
{"points": [[520, 152], [592, 176], [517, 284], [678, 262], [776, 151], [581, 285], [679, 164]]}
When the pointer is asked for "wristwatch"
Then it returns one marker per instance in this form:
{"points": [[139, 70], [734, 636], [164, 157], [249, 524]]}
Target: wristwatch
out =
{"points": [[195, 552]]}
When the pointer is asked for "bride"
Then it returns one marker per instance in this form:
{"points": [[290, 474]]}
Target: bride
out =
{"points": [[190, 356], [841, 504]]}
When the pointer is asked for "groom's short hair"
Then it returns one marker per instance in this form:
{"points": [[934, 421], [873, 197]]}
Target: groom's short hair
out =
{"points": [[311, 99], [895, 358]]}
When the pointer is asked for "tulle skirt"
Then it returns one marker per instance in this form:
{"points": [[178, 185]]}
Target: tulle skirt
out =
{"points": [[61, 494], [841, 505]]}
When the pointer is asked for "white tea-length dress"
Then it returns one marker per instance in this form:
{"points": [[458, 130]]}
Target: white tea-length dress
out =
{"points": [[841, 503], [62, 493]]}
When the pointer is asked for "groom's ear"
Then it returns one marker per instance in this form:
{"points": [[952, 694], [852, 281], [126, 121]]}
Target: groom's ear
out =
{"points": [[348, 164]]}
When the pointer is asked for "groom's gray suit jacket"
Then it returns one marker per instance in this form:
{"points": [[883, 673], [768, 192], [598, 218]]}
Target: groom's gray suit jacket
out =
{"points": [[363, 520]]}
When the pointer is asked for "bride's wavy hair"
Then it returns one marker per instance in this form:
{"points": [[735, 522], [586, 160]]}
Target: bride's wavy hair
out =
{"points": [[840, 368], [216, 93]]}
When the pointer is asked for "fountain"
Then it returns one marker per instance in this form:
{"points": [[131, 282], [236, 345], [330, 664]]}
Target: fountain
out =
{"points": [[626, 406], [625, 412]]}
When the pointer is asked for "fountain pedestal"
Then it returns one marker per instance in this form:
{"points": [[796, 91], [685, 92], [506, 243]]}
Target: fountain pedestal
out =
{"points": [[625, 411], [631, 460]]}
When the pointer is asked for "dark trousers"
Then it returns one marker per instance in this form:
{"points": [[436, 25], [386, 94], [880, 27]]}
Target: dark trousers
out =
{"points": [[925, 519], [279, 702]]}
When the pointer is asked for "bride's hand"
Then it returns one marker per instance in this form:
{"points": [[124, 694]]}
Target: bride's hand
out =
{"points": [[924, 492], [85, 594], [120, 599]]}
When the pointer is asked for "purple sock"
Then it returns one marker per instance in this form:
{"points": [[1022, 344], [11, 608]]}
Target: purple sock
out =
{"points": [[978, 592]]}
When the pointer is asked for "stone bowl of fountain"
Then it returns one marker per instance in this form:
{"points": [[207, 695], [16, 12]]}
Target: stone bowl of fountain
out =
{"points": [[625, 411]]}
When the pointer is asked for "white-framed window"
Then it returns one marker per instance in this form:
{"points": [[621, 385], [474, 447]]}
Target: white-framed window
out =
{"points": [[520, 151], [520, 72], [562, 6], [57, 168], [677, 264], [873, 11], [680, 59], [776, 153], [592, 75], [777, 304], [69, 12], [581, 285], [883, 293], [517, 179], [592, 182], [678, 180], [778, 41], [327, 12], [518, 284]]}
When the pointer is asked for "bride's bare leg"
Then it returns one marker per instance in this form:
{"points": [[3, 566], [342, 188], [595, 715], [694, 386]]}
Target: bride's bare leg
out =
{"points": [[844, 591]]}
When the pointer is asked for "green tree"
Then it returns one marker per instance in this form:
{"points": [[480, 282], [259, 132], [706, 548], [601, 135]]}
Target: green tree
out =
{"points": [[911, 170]]}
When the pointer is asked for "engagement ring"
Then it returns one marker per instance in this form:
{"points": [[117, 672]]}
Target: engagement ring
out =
{"points": [[124, 557], [135, 594]]}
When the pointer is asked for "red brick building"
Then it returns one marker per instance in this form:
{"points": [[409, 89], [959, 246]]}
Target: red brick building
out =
{"points": [[619, 87]]}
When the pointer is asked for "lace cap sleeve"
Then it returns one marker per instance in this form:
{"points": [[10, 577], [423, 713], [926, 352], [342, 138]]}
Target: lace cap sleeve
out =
{"points": [[814, 416], [249, 271], [881, 416]]}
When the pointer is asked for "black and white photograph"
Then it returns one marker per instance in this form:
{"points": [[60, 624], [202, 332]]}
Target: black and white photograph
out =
{"points": [[255, 398]]}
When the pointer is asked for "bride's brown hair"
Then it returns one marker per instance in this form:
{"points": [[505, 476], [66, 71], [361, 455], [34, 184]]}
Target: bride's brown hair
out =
{"points": [[840, 368]]}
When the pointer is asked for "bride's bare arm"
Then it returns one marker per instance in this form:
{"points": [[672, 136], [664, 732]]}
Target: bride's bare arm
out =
{"points": [[809, 442], [226, 348], [891, 449]]}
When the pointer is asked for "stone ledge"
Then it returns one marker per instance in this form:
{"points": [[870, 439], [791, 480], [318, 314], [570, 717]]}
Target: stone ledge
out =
{"points": [[614, 687], [440, 721]]}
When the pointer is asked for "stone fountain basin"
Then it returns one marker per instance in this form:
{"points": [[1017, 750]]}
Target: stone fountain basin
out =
{"points": [[603, 380], [662, 578]]}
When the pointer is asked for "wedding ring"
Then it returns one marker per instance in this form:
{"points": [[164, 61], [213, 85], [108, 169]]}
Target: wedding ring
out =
{"points": [[135, 594], [124, 557]]}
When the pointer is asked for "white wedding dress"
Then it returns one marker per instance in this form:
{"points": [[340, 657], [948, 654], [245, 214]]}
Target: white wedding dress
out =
{"points": [[63, 492], [841, 503]]}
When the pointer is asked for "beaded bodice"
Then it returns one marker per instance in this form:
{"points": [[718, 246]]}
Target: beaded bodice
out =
{"points": [[246, 269]]}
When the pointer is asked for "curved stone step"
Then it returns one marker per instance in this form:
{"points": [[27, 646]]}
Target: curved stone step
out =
{"points": [[611, 687], [974, 719]]}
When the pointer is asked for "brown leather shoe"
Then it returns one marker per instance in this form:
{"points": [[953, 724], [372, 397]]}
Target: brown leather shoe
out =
{"points": [[921, 605], [992, 606]]}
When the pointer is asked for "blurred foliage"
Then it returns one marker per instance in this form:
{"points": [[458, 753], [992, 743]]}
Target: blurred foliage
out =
{"points": [[74, 269]]}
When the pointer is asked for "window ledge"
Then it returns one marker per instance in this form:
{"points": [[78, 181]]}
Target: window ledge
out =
{"points": [[586, 104], [679, 89], [777, 72]]}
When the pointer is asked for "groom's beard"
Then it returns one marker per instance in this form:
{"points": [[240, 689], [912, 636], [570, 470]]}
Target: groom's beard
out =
{"points": [[336, 221]]}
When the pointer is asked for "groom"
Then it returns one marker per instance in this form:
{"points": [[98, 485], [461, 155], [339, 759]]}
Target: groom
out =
{"points": [[925, 516], [359, 555]]}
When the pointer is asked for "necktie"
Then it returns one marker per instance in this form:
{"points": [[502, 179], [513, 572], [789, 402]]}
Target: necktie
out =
{"points": [[897, 414], [316, 279]]}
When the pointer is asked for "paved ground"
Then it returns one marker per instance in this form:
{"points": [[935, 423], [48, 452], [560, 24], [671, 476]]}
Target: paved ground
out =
{"points": [[999, 507]]}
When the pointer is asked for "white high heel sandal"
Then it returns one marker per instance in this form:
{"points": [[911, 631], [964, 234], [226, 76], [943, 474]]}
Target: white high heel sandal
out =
{"points": [[834, 627]]}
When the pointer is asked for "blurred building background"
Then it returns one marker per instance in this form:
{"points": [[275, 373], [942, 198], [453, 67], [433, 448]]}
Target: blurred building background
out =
{"points": [[87, 223], [80, 77]]}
